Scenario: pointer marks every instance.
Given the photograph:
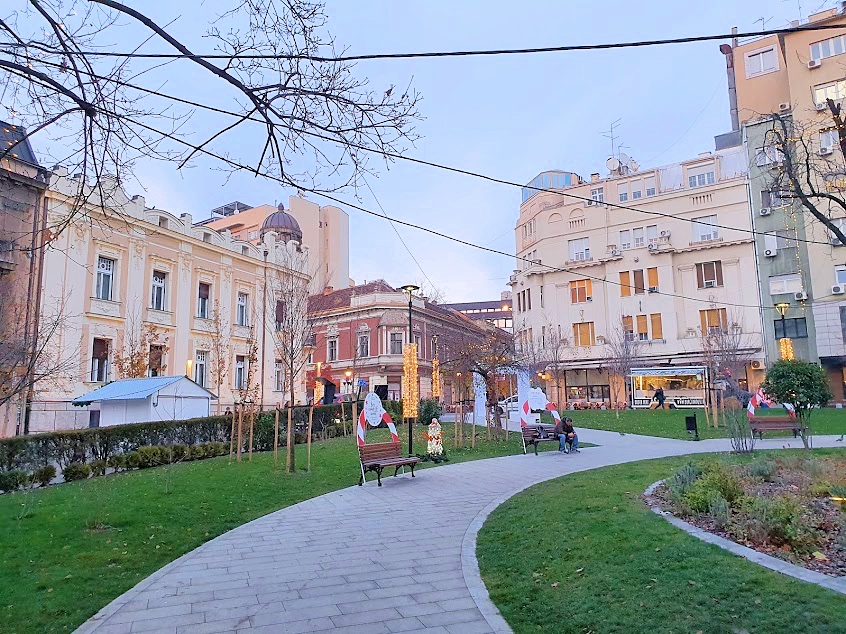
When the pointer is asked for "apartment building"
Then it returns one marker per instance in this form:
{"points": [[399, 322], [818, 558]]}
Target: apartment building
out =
{"points": [[325, 231], [647, 252], [185, 297], [497, 313], [790, 77]]}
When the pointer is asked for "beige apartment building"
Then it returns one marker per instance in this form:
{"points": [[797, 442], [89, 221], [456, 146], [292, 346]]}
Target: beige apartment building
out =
{"points": [[664, 274], [120, 269], [792, 75], [325, 230]]}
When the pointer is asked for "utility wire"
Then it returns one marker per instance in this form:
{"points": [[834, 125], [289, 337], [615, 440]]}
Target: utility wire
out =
{"points": [[465, 53], [449, 168]]}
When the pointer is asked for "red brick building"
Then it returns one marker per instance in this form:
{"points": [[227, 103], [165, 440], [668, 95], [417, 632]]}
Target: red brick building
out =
{"points": [[359, 334]]}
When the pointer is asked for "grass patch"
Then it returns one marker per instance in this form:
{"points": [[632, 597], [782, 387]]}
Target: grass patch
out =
{"points": [[583, 554], [670, 423], [80, 545]]}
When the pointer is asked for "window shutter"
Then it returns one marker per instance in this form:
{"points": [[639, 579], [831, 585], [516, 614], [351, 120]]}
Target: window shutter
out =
{"points": [[576, 339], [574, 293], [652, 276], [723, 319], [591, 333], [766, 199], [638, 282], [718, 266], [204, 291], [589, 286], [700, 276], [657, 328], [703, 318], [280, 311], [100, 349], [628, 326], [642, 325], [625, 284]]}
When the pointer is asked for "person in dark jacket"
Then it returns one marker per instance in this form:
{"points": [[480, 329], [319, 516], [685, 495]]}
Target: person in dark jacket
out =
{"points": [[568, 439], [659, 397]]}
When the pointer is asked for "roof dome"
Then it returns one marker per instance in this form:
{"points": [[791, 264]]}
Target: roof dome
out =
{"points": [[284, 224]]}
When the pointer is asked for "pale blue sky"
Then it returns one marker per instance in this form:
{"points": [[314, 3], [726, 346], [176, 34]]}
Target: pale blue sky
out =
{"points": [[510, 117]]}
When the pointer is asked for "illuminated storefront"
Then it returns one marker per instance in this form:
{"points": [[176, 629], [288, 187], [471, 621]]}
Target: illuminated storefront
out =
{"points": [[683, 386]]}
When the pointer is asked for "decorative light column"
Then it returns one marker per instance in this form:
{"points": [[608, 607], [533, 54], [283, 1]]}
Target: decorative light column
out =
{"points": [[436, 369], [785, 344], [409, 372]]}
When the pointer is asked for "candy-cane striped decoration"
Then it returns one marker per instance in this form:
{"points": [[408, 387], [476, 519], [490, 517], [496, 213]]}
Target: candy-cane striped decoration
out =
{"points": [[362, 427], [551, 407]]}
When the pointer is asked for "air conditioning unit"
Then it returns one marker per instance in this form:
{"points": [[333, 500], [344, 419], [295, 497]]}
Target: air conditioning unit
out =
{"points": [[691, 332], [616, 253], [801, 296], [591, 203], [765, 211], [665, 233], [814, 63], [652, 247], [600, 340], [784, 108], [653, 289], [825, 151], [822, 106], [589, 298], [756, 365], [709, 284], [838, 289], [771, 253]]}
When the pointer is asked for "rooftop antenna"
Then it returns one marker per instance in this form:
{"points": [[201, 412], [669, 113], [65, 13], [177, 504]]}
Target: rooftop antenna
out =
{"points": [[609, 134], [763, 22]]}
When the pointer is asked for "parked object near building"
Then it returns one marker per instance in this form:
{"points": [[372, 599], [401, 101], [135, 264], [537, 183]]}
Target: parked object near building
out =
{"points": [[160, 398]]}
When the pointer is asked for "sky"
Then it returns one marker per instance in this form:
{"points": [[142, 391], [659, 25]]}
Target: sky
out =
{"points": [[507, 116]]}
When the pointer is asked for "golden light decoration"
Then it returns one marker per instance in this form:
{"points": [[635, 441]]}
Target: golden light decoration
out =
{"points": [[410, 389], [785, 348], [318, 391], [436, 378]]}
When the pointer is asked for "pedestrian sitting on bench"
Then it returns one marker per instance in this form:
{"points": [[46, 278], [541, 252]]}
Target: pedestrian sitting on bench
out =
{"points": [[568, 440]]}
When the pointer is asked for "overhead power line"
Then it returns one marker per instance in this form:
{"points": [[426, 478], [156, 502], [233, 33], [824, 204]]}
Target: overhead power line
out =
{"points": [[464, 53]]}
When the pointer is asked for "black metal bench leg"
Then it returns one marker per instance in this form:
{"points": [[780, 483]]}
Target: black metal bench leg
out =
{"points": [[379, 476], [361, 479], [412, 471], [396, 471]]}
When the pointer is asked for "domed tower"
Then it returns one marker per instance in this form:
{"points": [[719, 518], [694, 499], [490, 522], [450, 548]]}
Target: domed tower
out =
{"points": [[284, 224]]}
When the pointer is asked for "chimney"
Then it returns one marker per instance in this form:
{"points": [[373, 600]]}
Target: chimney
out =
{"points": [[594, 177]]}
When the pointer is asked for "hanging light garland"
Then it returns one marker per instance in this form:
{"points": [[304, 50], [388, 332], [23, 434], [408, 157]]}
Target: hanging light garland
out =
{"points": [[436, 378], [410, 391], [785, 348]]}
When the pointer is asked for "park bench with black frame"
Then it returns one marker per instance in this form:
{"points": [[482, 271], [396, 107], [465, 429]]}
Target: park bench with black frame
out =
{"points": [[760, 424], [536, 433], [378, 456]]}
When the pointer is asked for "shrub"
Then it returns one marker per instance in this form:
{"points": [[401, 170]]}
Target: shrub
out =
{"points": [[719, 509], [132, 460], [197, 452], [13, 480], [683, 479], [764, 469], [773, 520], [98, 467], [118, 463], [44, 475], [429, 408], [718, 480], [150, 456], [76, 471], [176, 453]]}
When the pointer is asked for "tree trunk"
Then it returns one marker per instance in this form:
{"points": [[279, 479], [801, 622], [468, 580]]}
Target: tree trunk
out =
{"points": [[308, 440], [289, 449], [276, 441], [240, 430], [252, 425], [355, 419], [458, 424], [343, 419]]}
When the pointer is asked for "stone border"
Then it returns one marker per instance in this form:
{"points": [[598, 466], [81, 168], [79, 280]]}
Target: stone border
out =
{"points": [[837, 584]]}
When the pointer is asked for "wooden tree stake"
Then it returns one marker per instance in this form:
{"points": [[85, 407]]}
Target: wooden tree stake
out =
{"points": [[276, 441], [240, 430], [308, 440]]}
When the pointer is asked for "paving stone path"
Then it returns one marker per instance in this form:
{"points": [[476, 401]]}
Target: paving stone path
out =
{"points": [[400, 558]]}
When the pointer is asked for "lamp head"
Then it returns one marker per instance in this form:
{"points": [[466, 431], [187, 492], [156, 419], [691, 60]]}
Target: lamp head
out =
{"points": [[408, 289], [348, 373], [782, 308]]}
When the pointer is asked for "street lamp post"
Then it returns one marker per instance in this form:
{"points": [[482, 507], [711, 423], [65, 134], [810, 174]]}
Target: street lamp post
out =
{"points": [[409, 289]]}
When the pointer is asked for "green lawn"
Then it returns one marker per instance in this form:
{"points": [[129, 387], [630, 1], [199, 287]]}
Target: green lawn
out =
{"points": [[58, 567], [583, 554], [670, 423]]}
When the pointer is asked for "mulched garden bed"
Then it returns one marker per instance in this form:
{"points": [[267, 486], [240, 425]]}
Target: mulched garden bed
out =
{"points": [[781, 507]]}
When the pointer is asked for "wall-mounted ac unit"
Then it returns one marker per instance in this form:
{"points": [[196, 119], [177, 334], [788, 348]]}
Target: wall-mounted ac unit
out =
{"points": [[771, 253], [765, 211], [838, 289], [616, 252], [709, 284], [600, 340], [822, 106], [826, 151], [665, 233], [652, 247], [800, 296], [756, 365], [784, 108], [814, 63], [653, 289], [691, 332]]}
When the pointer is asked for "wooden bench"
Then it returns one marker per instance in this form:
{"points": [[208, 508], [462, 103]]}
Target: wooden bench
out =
{"points": [[760, 424], [378, 456], [536, 433]]}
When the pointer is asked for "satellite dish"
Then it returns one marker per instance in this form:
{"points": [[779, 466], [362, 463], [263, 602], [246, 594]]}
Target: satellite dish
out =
{"points": [[613, 164], [625, 158], [634, 165]]}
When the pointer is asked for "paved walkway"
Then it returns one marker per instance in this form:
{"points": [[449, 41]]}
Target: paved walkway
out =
{"points": [[400, 558]]}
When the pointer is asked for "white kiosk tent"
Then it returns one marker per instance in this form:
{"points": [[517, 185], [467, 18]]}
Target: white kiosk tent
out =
{"points": [[159, 398], [684, 386]]}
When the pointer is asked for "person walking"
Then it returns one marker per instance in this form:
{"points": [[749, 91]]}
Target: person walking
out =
{"points": [[659, 397]]}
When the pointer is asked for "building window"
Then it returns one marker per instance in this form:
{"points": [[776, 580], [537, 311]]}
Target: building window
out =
{"points": [[637, 235], [784, 240], [396, 343], [597, 194], [159, 286], [245, 250], [650, 191], [761, 62], [700, 180], [279, 376], [203, 293], [791, 328], [704, 229], [709, 274], [583, 334], [828, 48], [364, 345], [581, 291], [156, 360], [636, 194], [628, 327], [774, 198], [780, 284], [200, 368], [162, 222], [768, 155], [579, 249], [206, 237], [105, 277], [625, 239], [100, 361], [840, 274], [625, 284], [624, 196], [419, 345], [835, 91], [657, 327], [242, 305], [331, 349], [840, 223], [829, 140], [639, 286], [652, 234], [642, 328], [528, 300], [652, 279], [713, 320], [240, 372]]}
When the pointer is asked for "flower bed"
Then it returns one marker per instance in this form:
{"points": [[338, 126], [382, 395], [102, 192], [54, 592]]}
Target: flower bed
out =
{"points": [[788, 507]]}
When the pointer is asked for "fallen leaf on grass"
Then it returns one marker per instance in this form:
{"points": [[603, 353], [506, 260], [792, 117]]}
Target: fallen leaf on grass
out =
{"points": [[819, 556], [579, 569]]}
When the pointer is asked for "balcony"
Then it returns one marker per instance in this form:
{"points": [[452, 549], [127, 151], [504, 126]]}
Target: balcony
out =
{"points": [[104, 307], [159, 317]]}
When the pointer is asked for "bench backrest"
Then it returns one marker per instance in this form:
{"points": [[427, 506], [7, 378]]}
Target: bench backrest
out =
{"points": [[531, 431], [379, 451], [778, 421]]}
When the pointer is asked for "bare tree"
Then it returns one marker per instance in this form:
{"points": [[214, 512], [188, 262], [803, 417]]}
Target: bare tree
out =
{"points": [[284, 105], [142, 349], [623, 349], [219, 342]]}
